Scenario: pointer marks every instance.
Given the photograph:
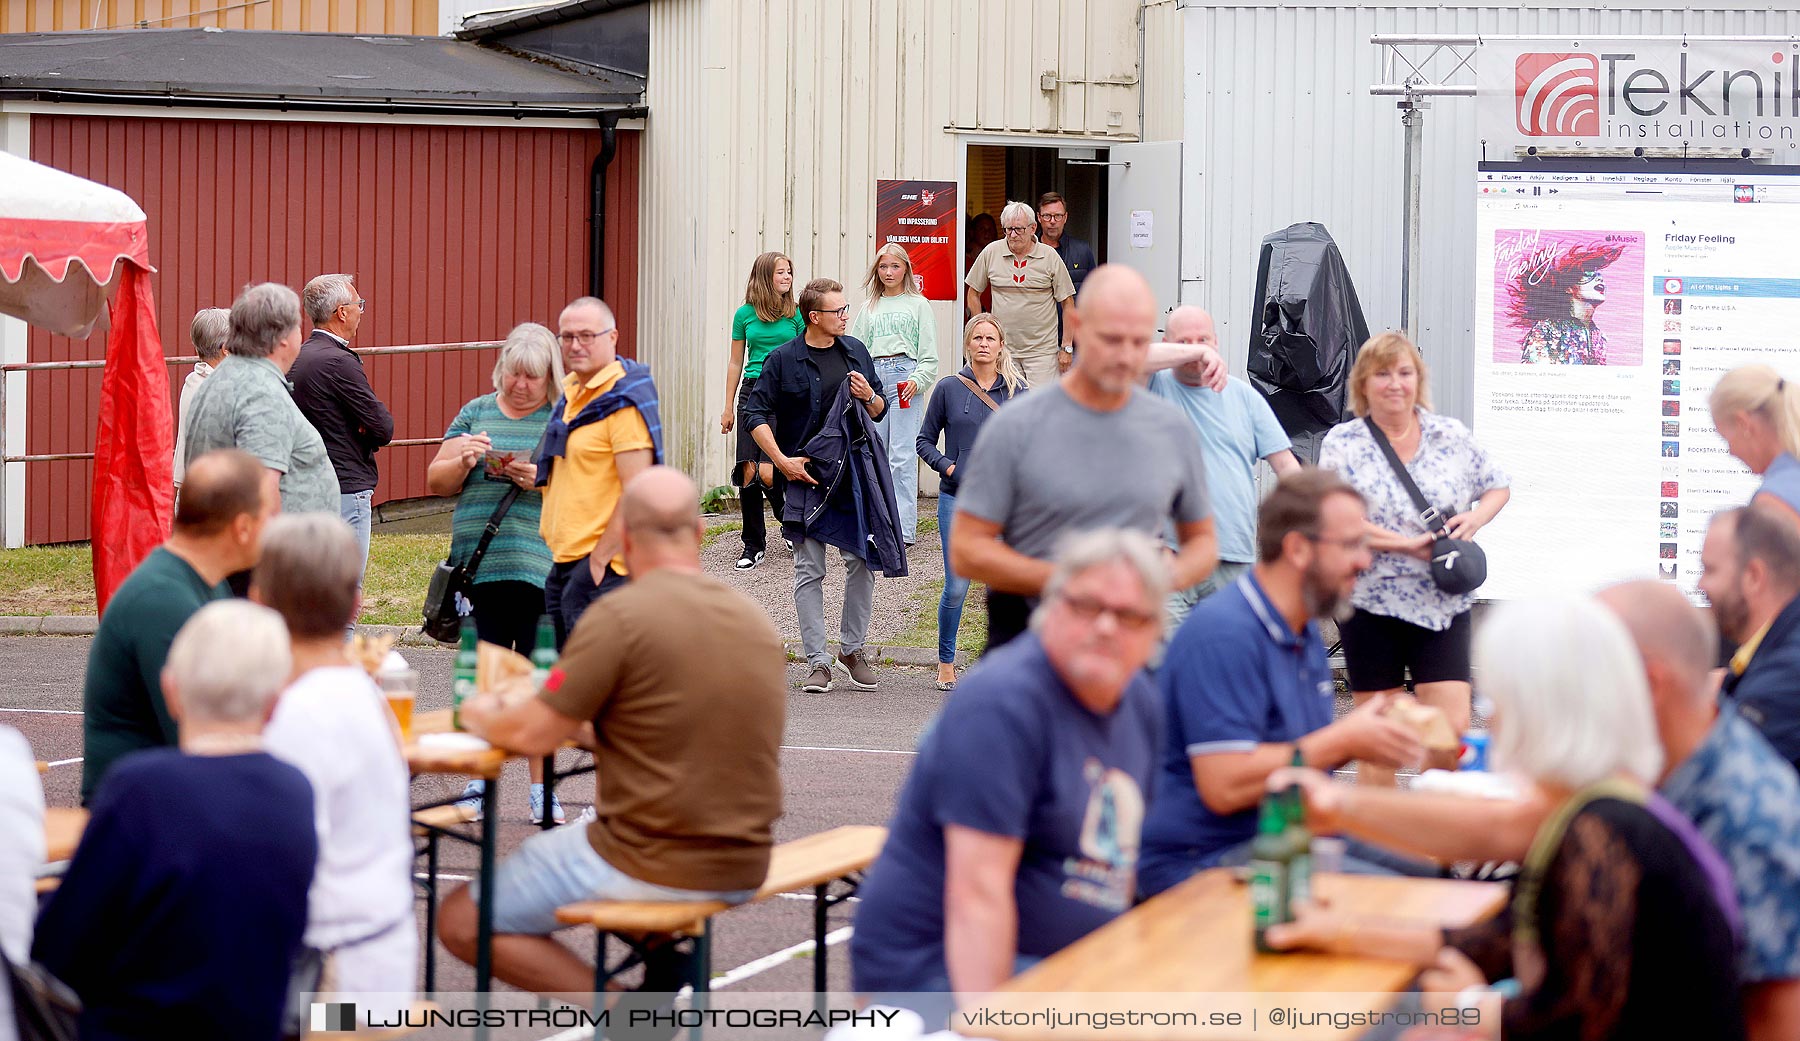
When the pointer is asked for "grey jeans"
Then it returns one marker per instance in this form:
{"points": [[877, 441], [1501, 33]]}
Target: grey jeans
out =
{"points": [[809, 601]]}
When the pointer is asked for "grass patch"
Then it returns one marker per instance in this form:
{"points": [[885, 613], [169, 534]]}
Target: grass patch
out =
{"points": [[714, 532], [923, 630], [399, 570], [44, 580], [41, 580]]}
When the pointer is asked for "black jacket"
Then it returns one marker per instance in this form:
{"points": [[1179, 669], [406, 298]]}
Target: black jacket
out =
{"points": [[1768, 693], [791, 397], [333, 393], [852, 507]]}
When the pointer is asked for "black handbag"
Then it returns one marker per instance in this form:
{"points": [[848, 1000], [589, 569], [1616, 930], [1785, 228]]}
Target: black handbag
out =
{"points": [[43, 1006], [450, 583], [1458, 566]]}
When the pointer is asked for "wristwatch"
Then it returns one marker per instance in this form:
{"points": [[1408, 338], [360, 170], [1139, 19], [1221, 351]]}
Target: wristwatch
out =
{"points": [[1068, 348]]}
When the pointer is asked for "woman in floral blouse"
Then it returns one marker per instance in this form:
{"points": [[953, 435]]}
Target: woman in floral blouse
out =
{"points": [[1403, 622]]}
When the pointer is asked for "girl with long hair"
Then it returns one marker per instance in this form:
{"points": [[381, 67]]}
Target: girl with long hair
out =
{"points": [[1553, 303], [896, 324], [768, 318]]}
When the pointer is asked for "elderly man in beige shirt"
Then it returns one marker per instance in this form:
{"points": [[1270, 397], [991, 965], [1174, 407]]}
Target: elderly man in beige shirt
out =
{"points": [[1029, 282]]}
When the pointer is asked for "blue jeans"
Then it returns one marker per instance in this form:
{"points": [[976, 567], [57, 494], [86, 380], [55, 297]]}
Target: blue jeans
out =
{"points": [[900, 426], [358, 511], [956, 587]]}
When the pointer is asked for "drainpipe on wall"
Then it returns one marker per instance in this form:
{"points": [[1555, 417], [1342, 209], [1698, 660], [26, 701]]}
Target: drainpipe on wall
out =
{"points": [[597, 215]]}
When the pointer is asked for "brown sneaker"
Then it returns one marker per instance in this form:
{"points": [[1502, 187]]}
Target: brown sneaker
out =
{"points": [[818, 681], [856, 666]]}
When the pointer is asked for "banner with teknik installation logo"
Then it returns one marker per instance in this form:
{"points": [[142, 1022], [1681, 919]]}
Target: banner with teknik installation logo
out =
{"points": [[1654, 93]]}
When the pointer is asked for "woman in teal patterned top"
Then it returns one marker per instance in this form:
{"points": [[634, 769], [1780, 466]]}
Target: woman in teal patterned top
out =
{"points": [[487, 450]]}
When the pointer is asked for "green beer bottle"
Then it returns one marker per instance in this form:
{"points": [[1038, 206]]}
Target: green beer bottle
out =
{"points": [[543, 656], [462, 675], [1299, 840], [1269, 858]]}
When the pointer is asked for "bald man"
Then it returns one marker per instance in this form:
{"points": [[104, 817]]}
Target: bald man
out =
{"points": [[683, 679], [1094, 450], [1236, 427], [1742, 795]]}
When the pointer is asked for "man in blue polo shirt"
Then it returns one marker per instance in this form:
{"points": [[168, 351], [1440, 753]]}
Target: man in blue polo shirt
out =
{"points": [[1245, 683]]}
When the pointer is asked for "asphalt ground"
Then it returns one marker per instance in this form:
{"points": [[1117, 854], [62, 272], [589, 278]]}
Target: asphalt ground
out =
{"points": [[844, 758]]}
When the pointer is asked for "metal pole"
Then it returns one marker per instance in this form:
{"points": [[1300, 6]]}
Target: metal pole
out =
{"points": [[1412, 119]]}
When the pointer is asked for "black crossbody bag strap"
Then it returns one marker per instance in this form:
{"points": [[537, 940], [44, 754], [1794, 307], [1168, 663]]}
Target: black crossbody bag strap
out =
{"points": [[492, 529], [1429, 515]]}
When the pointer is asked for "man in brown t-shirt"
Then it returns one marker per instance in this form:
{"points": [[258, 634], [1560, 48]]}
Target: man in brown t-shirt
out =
{"points": [[684, 681]]}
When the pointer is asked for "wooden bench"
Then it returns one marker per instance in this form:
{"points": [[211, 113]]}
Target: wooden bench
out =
{"points": [[432, 824], [814, 862]]}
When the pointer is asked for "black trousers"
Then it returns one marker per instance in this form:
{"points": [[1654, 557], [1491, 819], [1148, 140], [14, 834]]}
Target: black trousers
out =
{"points": [[1009, 615], [756, 531], [507, 613], [570, 589]]}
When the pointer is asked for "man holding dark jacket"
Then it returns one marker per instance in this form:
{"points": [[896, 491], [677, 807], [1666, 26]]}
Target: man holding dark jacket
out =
{"points": [[333, 393], [790, 403]]}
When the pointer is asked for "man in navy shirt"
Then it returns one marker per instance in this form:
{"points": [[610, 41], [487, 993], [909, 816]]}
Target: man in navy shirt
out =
{"points": [[1017, 832], [1245, 685]]}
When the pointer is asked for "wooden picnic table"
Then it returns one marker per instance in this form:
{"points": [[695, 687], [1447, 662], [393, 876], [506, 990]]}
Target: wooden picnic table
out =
{"points": [[1197, 939], [63, 826]]}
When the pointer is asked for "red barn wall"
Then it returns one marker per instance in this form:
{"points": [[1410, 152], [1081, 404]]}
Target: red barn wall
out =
{"points": [[454, 233]]}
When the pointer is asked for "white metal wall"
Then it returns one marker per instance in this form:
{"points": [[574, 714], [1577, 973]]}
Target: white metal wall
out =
{"points": [[770, 121], [1280, 128]]}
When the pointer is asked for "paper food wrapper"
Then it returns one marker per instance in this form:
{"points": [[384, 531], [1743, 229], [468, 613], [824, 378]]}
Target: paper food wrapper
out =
{"points": [[1428, 722], [503, 673], [369, 651]]}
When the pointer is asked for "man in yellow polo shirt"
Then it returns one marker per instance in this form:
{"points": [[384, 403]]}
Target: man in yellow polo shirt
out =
{"points": [[606, 431]]}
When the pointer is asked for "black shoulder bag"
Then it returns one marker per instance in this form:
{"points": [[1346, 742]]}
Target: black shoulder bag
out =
{"points": [[1458, 566], [449, 582], [44, 1007]]}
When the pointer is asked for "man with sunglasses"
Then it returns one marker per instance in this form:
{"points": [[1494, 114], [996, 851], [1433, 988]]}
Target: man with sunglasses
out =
{"points": [[1246, 688], [789, 404], [604, 430]]}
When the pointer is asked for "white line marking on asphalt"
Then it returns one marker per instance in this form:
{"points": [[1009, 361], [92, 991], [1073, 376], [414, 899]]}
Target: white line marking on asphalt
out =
{"points": [[46, 711], [737, 975], [66, 762], [828, 748]]}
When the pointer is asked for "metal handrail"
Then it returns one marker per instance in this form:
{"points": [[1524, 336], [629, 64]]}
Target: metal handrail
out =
{"points": [[190, 359]]}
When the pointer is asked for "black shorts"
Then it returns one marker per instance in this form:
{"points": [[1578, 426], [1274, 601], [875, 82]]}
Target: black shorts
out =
{"points": [[1379, 651]]}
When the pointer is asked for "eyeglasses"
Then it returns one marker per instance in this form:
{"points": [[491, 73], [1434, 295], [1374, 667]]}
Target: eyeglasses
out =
{"points": [[1018, 231], [1355, 544], [360, 305], [1051, 218], [841, 312], [585, 337], [1089, 610]]}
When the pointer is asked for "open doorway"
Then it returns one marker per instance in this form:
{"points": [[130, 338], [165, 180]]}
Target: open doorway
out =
{"points": [[997, 174]]}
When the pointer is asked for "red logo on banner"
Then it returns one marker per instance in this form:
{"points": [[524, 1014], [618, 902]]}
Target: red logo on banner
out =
{"points": [[1558, 95]]}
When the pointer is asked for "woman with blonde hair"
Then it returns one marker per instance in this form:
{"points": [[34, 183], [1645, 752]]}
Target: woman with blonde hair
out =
{"points": [[897, 326], [958, 408], [1402, 622], [1757, 411], [768, 318], [487, 449]]}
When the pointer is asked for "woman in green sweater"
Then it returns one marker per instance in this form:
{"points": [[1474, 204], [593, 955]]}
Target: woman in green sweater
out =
{"points": [[768, 318], [897, 326]]}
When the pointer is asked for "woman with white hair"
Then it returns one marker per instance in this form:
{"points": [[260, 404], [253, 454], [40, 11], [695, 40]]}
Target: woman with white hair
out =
{"points": [[897, 326], [488, 449], [1623, 922], [183, 909], [1029, 282]]}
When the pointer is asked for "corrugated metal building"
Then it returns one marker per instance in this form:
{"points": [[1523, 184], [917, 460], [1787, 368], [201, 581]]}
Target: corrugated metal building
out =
{"points": [[1278, 126], [457, 225], [770, 121]]}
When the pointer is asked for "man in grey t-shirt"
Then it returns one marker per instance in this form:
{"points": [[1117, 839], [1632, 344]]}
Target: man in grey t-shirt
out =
{"points": [[1095, 450], [246, 403]]}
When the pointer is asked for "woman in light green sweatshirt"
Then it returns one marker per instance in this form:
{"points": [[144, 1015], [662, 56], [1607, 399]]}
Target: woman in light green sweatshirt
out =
{"points": [[897, 326]]}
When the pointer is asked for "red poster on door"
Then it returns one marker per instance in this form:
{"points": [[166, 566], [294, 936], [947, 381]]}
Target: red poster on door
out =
{"points": [[921, 216]]}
